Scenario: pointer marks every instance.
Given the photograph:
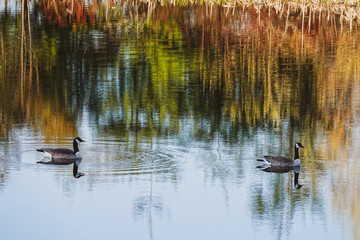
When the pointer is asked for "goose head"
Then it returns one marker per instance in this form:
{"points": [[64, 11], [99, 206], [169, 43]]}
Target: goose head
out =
{"points": [[76, 148], [299, 145], [78, 140]]}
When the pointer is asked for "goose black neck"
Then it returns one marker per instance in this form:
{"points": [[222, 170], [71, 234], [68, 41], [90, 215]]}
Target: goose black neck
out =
{"points": [[296, 153], [75, 144]]}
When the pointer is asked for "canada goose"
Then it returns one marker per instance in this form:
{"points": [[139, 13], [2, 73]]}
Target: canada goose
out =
{"points": [[283, 161], [62, 153]]}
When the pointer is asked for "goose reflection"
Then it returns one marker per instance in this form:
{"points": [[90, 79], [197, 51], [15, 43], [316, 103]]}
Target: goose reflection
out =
{"points": [[75, 169], [66, 161], [285, 169]]}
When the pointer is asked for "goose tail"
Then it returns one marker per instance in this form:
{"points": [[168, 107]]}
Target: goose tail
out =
{"points": [[263, 160], [46, 152]]}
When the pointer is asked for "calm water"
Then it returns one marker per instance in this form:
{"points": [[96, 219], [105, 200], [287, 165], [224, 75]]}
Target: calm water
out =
{"points": [[175, 104]]}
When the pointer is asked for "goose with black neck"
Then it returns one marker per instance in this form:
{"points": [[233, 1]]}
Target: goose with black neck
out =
{"points": [[63, 154], [283, 161]]}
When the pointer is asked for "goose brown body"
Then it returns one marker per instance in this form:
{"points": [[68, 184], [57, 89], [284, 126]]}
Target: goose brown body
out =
{"points": [[59, 152], [280, 161], [283, 161]]}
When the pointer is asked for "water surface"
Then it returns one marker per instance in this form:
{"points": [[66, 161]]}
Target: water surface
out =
{"points": [[175, 104]]}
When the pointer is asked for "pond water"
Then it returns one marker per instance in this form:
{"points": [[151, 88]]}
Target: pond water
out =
{"points": [[175, 104]]}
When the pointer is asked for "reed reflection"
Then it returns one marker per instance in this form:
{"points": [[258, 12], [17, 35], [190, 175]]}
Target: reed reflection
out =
{"points": [[3, 172], [277, 201], [150, 85]]}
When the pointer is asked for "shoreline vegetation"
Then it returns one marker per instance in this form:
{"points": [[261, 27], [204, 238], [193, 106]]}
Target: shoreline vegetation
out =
{"points": [[344, 11]]}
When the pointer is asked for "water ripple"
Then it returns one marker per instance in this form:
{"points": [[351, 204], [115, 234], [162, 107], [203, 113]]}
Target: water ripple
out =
{"points": [[118, 161]]}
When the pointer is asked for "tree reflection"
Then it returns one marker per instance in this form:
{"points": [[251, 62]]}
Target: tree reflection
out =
{"points": [[149, 85]]}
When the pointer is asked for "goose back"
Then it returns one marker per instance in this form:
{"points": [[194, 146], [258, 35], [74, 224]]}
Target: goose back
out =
{"points": [[280, 161], [58, 152]]}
